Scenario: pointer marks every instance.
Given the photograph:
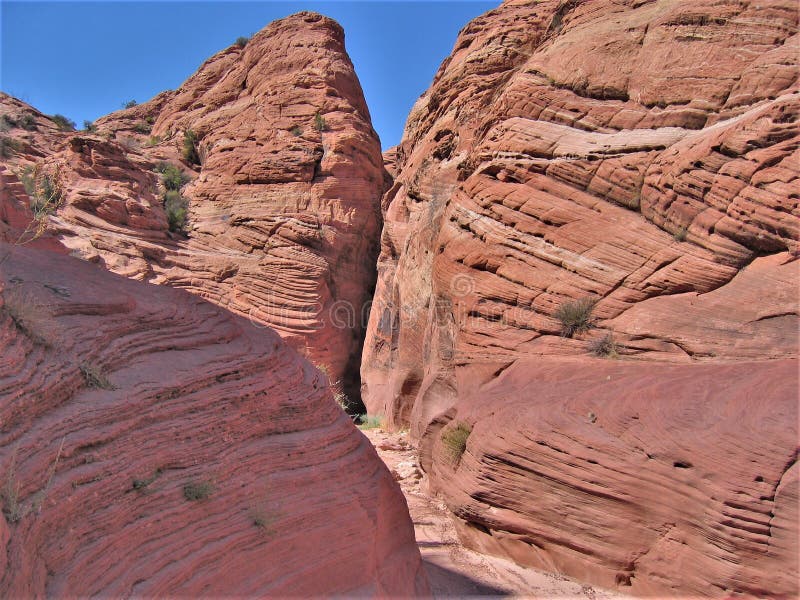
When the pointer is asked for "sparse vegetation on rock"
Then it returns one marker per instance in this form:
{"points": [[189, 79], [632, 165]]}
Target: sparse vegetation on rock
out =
{"points": [[64, 124], [454, 440], [197, 490], [575, 316], [190, 153]]}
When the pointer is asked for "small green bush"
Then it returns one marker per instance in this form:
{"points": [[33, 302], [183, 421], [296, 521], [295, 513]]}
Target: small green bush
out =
{"points": [[9, 146], [455, 441], [296, 131], [319, 122], [173, 178], [7, 122], [176, 207], [242, 41], [680, 234], [142, 128], [154, 140], [63, 123], [197, 490], [89, 126], [129, 104], [27, 122], [190, 147], [575, 316], [370, 421]]}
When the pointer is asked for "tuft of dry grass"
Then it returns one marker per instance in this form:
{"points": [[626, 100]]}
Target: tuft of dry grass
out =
{"points": [[95, 378], [455, 441], [32, 319], [604, 346], [575, 316]]}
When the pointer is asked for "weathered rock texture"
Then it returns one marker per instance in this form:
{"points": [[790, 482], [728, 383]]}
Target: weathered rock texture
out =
{"points": [[642, 154], [116, 395], [284, 208]]}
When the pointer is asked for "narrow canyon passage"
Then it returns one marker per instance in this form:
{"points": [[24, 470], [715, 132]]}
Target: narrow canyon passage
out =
{"points": [[452, 569]]}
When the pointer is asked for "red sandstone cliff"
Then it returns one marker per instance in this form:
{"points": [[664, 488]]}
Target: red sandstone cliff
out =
{"points": [[643, 156], [153, 444], [283, 208]]}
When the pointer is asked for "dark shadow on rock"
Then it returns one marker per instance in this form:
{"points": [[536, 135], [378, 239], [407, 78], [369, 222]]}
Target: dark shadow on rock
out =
{"points": [[448, 583]]}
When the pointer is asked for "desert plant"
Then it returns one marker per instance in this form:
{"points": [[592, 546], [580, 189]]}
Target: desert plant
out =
{"points": [[142, 127], [140, 485], [154, 140], [455, 440], [149, 119], [370, 421], [575, 316], [176, 207], [129, 104], [27, 122], [30, 318], [319, 122], [63, 123], [173, 178], [7, 122], [9, 146], [680, 234], [89, 126], [296, 131], [242, 41], [190, 147], [94, 377], [604, 346], [197, 490], [9, 494]]}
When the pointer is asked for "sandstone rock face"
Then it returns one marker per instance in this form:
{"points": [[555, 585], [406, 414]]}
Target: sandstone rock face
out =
{"points": [[153, 444], [681, 480], [283, 207], [640, 156]]}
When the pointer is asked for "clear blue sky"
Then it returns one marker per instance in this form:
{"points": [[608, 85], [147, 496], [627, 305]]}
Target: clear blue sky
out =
{"points": [[84, 59]]}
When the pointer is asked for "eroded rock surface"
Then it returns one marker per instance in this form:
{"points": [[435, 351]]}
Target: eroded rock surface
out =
{"points": [[639, 155], [283, 206], [153, 444]]}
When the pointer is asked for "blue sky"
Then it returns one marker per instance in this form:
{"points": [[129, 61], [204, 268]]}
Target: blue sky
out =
{"points": [[84, 59]]}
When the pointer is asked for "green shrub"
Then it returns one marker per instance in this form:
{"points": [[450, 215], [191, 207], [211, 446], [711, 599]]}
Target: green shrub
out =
{"points": [[9, 146], [89, 126], [370, 421], [680, 234], [319, 122], [575, 316], [154, 140], [173, 178], [604, 346], [455, 441], [129, 104], [197, 490], [176, 207], [242, 41], [149, 119], [27, 122], [296, 131], [7, 122], [190, 147], [142, 128], [63, 123]]}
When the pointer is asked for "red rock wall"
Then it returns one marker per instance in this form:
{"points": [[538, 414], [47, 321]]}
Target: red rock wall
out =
{"points": [[115, 395], [284, 215], [643, 155]]}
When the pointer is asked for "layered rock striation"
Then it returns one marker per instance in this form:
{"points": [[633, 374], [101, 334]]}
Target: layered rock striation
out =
{"points": [[615, 179], [153, 444], [282, 176]]}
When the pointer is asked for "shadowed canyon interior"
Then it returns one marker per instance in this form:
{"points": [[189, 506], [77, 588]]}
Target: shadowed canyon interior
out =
{"points": [[582, 263]]}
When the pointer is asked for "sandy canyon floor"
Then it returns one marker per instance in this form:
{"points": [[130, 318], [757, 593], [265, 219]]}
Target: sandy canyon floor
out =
{"points": [[452, 569]]}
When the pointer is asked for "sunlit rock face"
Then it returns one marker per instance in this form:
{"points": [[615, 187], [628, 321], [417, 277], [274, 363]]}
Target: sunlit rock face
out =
{"points": [[154, 444], [283, 209], [642, 158]]}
